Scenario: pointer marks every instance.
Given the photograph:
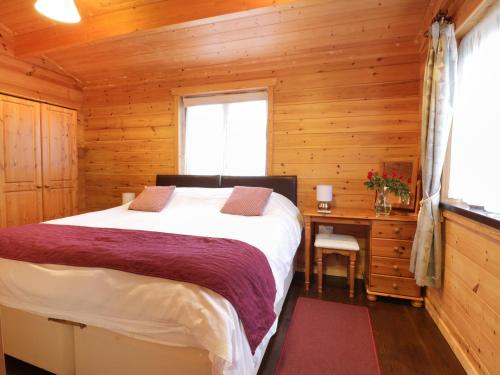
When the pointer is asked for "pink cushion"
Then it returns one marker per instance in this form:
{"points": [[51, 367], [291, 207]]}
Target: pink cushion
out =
{"points": [[247, 201], [152, 199]]}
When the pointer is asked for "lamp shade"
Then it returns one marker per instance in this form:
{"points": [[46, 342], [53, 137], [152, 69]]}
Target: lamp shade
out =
{"points": [[59, 10], [127, 197], [324, 193]]}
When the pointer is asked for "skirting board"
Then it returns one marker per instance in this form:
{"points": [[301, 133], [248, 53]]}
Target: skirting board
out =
{"points": [[446, 327]]}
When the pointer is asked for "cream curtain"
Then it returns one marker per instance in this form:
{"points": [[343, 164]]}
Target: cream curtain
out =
{"points": [[437, 114]]}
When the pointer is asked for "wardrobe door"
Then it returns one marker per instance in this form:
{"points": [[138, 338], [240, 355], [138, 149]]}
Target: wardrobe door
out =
{"points": [[59, 162], [20, 162]]}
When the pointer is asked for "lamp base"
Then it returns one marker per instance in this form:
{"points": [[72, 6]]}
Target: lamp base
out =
{"points": [[324, 207]]}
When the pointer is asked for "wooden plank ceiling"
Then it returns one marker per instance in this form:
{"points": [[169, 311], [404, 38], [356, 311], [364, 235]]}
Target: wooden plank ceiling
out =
{"points": [[121, 41]]}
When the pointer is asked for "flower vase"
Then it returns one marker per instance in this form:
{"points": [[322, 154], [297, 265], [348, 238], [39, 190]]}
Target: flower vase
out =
{"points": [[382, 203]]}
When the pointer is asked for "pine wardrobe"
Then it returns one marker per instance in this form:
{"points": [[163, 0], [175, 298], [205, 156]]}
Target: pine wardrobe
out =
{"points": [[38, 162]]}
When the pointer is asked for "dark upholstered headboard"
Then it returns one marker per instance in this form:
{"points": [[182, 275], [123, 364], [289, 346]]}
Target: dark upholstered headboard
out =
{"points": [[188, 180], [284, 185]]}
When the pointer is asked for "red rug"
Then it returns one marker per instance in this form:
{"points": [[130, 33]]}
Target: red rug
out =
{"points": [[329, 338]]}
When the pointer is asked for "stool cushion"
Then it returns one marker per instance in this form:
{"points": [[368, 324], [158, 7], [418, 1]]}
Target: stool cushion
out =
{"points": [[336, 241]]}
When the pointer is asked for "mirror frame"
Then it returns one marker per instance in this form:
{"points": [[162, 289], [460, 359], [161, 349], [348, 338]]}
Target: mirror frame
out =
{"points": [[413, 185]]}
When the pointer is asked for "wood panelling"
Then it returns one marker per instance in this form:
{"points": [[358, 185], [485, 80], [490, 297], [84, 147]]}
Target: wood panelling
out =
{"points": [[467, 308], [24, 79], [128, 17], [129, 131], [339, 110], [38, 79], [306, 31]]}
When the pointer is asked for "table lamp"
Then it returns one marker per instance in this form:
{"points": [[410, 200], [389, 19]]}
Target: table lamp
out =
{"points": [[324, 195]]}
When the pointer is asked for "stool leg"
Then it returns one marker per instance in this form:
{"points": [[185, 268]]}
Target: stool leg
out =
{"points": [[352, 273], [348, 273], [319, 266]]}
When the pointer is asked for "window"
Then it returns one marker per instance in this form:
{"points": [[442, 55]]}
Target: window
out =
{"points": [[225, 134], [474, 155]]}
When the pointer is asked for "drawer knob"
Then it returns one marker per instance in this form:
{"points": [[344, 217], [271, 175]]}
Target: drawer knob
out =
{"points": [[395, 286], [397, 230], [396, 249], [395, 267]]}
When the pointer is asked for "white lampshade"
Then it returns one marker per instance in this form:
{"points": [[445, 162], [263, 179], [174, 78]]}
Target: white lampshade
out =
{"points": [[59, 10], [127, 197], [324, 193]]}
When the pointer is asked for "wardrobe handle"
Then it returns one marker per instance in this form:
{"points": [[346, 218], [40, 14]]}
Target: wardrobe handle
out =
{"points": [[38, 186], [47, 186], [397, 230]]}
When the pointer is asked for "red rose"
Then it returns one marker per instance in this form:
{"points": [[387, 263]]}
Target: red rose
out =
{"points": [[401, 177], [370, 175], [394, 174], [384, 175]]}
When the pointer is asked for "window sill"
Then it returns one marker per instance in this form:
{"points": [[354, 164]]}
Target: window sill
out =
{"points": [[476, 214]]}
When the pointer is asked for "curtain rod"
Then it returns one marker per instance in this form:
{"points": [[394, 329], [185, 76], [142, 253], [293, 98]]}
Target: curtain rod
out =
{"points": [[441, 17]]}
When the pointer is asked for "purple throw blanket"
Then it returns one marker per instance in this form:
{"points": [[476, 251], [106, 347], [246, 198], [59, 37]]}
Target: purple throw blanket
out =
{"points": [[234, 269]]}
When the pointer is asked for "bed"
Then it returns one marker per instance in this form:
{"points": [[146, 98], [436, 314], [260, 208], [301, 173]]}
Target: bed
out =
{"points": [[101, 321]]}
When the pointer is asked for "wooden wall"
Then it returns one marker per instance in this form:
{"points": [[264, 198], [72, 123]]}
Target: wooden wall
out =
{"points": [[336, 117], [467, 308], [38, 78]]}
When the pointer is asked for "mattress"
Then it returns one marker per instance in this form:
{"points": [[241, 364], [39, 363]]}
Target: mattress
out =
{"points": [[159, 310]]}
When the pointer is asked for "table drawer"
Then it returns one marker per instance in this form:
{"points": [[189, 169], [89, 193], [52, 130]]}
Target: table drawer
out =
{"points": [[391, 248], [391, 266], [396, 230], [394, 285]]}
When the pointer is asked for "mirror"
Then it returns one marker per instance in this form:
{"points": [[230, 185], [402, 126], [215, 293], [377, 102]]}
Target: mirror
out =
{"points": [[407, 168]]}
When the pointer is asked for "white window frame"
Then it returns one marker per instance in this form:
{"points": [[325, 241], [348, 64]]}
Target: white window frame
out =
{"points": [[224, 89]]}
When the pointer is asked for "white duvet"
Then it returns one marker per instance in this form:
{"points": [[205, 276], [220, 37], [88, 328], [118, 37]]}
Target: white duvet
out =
{"points": [[154, 309]]}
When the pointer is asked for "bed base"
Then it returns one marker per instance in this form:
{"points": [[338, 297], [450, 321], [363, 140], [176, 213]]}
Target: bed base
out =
{"points": [[68, 348]]}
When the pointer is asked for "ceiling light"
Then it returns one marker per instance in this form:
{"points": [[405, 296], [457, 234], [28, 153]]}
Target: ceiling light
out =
{"points": [[59, 10]]}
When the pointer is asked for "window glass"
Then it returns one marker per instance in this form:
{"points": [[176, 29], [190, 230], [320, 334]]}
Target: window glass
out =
{"points": [[226, 139], [474, 175]]}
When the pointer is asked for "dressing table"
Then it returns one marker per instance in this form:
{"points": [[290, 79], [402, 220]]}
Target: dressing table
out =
{"points": [[388, 250]]}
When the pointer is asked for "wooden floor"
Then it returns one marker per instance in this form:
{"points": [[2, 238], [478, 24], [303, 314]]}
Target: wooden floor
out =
{"points": [[408, 341]]}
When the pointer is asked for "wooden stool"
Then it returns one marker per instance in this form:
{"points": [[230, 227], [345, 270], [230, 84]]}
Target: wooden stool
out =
{"points": [[326, 243]]}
